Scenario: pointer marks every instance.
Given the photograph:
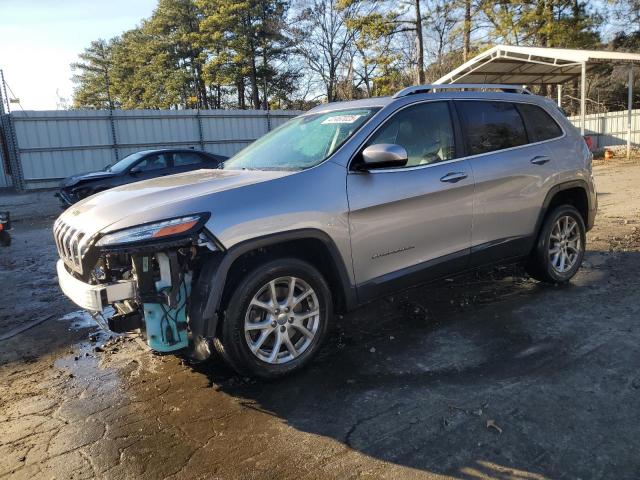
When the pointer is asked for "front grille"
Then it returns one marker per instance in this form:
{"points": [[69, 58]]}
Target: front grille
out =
{"points": [[71, 244]]}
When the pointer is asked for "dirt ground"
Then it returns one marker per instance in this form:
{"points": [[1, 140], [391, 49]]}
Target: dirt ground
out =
{"points": [[486, 376]]}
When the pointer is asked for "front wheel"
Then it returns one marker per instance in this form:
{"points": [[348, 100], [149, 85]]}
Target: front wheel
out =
{"points": [[560, 248], [276, 319]]}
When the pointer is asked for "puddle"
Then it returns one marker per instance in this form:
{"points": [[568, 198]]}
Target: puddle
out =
{"points": [[80, 319]]}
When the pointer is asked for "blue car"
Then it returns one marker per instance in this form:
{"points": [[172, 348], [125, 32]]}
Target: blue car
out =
{"points": [[133, 168]]}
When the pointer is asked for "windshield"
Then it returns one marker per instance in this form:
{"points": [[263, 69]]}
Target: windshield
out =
{"points": [[126, 162], [302, 142]]}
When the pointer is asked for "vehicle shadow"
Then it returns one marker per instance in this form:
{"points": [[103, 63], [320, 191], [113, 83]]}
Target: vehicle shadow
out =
{"points": [[474, 376]]}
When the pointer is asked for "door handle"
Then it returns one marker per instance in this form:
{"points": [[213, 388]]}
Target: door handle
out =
{"points": [[540, 160], [453, 177]]}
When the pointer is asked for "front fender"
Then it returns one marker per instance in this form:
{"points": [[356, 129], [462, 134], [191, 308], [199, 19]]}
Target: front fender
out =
{"points": [[204, 310]]}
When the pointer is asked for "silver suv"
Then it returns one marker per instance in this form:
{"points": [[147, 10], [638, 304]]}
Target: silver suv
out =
{"points": [[337, 207]]}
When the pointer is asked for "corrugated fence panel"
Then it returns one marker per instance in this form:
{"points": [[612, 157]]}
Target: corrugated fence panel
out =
{"points": [[148, 128], [610, 129], [227, 134], [56, 144], [5, 180]]}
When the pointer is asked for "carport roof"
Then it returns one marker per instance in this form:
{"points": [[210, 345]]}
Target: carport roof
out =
{"points": [[531, 65]]}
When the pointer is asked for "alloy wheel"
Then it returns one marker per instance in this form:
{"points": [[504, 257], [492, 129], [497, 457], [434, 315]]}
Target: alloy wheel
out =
{"points": [[282, 320], [565, 244]]}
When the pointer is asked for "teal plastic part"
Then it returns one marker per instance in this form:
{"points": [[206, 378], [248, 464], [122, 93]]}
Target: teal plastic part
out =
{"points": [[167, 327]]}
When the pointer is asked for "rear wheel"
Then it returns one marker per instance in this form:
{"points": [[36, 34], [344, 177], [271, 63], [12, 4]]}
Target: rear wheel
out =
{"points": [[276, 319], [560, 248]]}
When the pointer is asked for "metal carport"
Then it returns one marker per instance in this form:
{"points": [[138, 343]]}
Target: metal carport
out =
{"points": [[513, 65]]}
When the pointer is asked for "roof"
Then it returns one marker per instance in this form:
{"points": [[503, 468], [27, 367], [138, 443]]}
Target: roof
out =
{"points": [[531, 65], [169, 149], [435, 92]]}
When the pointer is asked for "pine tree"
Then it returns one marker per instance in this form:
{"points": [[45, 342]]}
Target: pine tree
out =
{"points": [[92, 77]]}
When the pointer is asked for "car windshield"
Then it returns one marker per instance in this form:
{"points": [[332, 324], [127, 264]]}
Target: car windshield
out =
{"points": [[126, 162], [302, 142]]}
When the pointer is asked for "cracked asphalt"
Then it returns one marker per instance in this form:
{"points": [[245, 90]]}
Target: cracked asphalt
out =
{"points": [[490, 375]]}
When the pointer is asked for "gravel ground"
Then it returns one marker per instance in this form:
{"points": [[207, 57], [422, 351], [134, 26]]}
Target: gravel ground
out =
{"points": [[490, 375]]}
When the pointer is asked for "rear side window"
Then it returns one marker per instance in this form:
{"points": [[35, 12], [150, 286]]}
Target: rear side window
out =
{"points": [[182, 159], [491, 126], [540, 125]]}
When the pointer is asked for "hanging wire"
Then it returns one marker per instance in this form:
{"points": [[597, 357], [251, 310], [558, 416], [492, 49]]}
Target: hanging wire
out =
{"points": [[14, 96]]}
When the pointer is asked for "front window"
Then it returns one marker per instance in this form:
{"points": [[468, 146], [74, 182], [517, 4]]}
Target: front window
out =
{"points": [[302, 142], [153, 162], [126, 162], [424, 130]]}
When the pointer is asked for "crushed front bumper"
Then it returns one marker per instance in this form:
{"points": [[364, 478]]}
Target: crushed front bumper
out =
{"points": [[93, 297], [65, 199]]}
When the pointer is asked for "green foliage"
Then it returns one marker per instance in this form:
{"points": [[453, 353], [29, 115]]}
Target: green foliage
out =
{"points": [[294, 53], [542, 23], [91, 76], [191, 54]]}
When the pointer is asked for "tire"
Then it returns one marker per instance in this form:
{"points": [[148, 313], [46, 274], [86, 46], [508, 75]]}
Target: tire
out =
{"points": [[284, 327], [546, 263], [5, 238]]}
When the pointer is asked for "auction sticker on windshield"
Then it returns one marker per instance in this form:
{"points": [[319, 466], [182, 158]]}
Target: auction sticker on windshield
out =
{"points": [[341, 119]]}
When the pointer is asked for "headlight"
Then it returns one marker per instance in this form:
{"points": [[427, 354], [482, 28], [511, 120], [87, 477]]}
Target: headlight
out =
{"points": [[151, 231]]}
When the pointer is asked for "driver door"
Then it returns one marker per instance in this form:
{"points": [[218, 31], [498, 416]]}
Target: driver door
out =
{"points": [[411, 223]]}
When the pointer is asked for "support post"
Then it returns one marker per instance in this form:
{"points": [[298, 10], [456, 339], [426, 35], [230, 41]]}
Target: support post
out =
{"points": [[583, 95], [560, 95], [114, 136], [4, 91], [629, 110], [200, 133]]}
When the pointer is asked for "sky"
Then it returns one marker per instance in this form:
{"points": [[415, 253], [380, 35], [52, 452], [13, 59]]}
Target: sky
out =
{"points": [[39, 39]]}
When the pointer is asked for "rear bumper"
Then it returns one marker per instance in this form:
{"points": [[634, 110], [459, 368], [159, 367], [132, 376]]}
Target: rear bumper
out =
{"points": [[593, 204], [93, 297], [592, 218]]}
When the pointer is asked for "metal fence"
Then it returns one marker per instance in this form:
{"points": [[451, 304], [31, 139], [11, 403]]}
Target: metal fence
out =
{"points": [[610, 129], [50, 145], [5, 179], [39, 148]]}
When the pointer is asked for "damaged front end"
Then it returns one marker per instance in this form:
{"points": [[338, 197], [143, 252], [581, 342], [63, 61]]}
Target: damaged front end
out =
{"points": [[146, 273]]}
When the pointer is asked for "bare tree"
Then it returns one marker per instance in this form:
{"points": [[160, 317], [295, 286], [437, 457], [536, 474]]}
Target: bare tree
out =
{"points": [[442, 20], [324, 40], [466, 31], [420, 42]]}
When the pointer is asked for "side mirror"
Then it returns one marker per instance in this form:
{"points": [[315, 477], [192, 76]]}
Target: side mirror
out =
{"points": [[384, 155], [134, 171]]}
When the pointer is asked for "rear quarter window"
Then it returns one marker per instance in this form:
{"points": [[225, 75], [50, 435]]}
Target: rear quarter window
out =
{"points": [[182, 159], [491, 126], [540, 125]]}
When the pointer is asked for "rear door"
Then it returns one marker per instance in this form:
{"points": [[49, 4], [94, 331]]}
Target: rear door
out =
{"points": [[513, 169], [405, 221]]}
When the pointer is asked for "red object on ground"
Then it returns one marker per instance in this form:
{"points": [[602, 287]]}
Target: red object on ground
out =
{"points": [[589, 141]]}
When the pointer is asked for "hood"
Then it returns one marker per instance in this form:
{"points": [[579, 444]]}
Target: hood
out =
{"points": [[158, 198], [75, 179]]}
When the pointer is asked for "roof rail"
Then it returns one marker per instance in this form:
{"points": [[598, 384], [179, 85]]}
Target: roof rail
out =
{"points": [[458, 86]]}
